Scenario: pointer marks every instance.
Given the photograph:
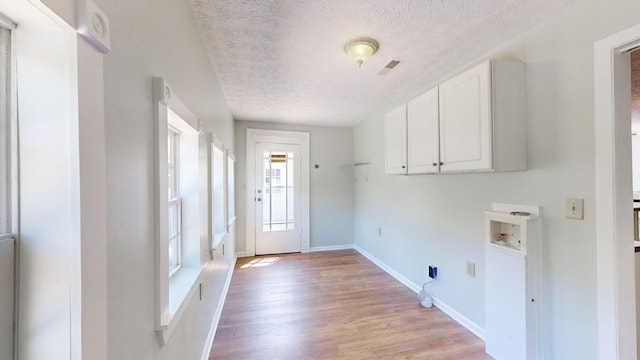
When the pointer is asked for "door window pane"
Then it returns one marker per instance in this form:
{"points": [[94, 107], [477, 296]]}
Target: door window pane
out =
{"points": [[278, 191]]}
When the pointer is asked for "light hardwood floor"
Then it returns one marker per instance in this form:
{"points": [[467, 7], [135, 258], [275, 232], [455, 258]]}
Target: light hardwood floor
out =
{"points": [[332, 305]]}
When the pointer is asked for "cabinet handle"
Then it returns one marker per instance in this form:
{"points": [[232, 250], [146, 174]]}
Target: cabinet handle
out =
{"points": [[403, 166], [435, 164], [441, 163]]}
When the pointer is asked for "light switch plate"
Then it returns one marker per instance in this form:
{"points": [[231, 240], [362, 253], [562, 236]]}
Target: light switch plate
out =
{"points": [[575, 208], [471, 269]]}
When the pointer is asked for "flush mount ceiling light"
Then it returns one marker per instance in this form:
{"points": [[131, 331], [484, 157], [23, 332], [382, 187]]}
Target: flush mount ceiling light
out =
{"points": [[361, 49]]}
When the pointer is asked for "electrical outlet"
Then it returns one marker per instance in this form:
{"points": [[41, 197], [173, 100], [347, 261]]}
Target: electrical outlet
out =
{"points": [[471, 269], [433, 272], [575, 208]]}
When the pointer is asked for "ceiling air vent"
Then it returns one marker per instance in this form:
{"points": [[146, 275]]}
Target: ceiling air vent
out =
{"points": [[390, 66]]}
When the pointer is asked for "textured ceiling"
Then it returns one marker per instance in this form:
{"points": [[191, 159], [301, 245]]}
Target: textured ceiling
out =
{"points": [[283, 60]]}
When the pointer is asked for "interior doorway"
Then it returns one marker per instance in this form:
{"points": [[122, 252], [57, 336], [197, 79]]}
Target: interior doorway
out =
{"points": [[277, 200], [614, 195]]}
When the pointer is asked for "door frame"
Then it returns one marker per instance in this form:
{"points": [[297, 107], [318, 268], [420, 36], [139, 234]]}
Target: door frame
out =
{"points": [[615, 261], [280, 137]]}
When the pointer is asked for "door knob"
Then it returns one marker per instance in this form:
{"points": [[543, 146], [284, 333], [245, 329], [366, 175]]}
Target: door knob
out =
{"points": [[258, 199], [259, 191]]}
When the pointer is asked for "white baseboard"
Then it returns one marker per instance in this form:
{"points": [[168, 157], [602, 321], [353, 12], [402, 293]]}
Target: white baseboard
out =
{"points": [[240, 254], [390, 271], [461, 319], [218, 312], [331, 248]]}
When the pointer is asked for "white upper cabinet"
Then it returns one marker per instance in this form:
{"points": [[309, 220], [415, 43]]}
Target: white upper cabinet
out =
{"points": [[465, 121], [395, 141], [483, 119], [423, 137], [475, 121]]}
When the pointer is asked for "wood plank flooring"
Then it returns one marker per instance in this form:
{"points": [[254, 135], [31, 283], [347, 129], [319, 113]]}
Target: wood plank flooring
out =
{"points": [[332, 305]]}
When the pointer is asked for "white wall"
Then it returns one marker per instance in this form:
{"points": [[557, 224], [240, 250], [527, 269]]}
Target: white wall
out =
{"points": [[439, 219], [330, 186], [152, 38]]}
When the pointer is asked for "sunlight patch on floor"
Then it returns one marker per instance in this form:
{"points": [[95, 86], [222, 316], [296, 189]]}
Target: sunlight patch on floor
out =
{"points": [[261, 262]]}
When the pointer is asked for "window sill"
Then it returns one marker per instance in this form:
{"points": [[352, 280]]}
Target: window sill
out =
{"points": [[182, 287]]}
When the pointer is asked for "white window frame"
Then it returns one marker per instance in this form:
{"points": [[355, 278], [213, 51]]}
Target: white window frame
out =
{"points": [[219, 223], [174, 199], [231, 190], [173, 293]]}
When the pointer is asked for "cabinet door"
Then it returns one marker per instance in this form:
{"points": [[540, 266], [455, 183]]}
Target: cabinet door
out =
{"points": [[466, 122], [395, 141], [423, 134], [505, 304]]}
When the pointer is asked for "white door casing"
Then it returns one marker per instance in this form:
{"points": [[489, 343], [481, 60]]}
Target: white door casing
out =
{"points": [[615, 262], [254, 138]]}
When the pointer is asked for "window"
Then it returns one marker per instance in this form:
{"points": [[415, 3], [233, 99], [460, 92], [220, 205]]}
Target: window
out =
{"points": [[178, 199], [231, 189], [218, 193], [175, 208]]}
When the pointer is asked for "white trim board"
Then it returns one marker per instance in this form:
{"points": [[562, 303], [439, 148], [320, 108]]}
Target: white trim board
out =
{"points": [[461, 319], [615, 262], [216, 316]]}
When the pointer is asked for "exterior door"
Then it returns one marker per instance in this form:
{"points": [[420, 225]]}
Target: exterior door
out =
{"points": [[277, 224]]}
